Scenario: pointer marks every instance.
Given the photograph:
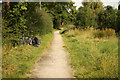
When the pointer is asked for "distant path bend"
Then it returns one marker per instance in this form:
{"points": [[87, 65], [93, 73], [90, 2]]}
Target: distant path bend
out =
{"points": [[53, 63]]}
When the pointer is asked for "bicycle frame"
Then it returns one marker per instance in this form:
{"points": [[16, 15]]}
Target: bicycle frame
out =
{"points": [[32, 41]]}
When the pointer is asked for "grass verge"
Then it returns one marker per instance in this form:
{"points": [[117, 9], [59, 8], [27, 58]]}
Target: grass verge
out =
{"points": [[92, 57], [20, 60]]}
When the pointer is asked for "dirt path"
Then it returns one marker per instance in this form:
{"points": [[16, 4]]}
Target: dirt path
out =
{"points": [[53, 63]]}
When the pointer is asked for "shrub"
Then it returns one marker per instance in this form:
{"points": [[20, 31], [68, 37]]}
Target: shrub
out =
{"points": [[109, 32], [99, 33], [41, 22], [13, 22], [104, 33], [71, 27]]}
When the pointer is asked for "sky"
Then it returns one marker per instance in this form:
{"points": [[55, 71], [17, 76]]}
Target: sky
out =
{"points": [[113, 3]]}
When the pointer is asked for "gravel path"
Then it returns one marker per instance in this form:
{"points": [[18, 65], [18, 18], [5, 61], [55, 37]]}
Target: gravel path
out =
{"points": [[53, 63]]}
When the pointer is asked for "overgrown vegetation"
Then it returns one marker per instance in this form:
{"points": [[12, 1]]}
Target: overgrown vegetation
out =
{"points": [[18, 62], [92, 57], [20, 17]]}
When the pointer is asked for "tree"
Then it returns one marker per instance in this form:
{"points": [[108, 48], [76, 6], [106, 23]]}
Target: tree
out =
{"points": [[108, 18], [88, 14], [60, 12], [13, 22], [38, 21], [119, 5], [118, 22], [85, 17]]}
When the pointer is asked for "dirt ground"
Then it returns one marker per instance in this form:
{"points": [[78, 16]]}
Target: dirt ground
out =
{"points": [[54, 62]]}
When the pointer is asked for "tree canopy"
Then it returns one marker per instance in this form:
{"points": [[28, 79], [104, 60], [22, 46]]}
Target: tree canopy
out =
{"points": [[94, 14]]}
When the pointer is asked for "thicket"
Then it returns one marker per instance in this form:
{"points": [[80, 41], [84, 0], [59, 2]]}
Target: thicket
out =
{"points": [[12, 22], [23, 17]]}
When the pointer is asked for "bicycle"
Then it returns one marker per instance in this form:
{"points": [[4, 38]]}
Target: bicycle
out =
{"points": [[34, 41]]}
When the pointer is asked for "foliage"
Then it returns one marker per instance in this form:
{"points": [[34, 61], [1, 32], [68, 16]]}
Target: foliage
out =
{"points": [[94, 14], [87, 15], [13, 22], [41, 22], [119, 7], [23, 17], [60, 12], [118, 22], [108, 18]]}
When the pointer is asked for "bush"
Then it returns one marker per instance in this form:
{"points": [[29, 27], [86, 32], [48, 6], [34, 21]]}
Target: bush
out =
{"points": [[71, 27], [109, 32], [98, 33], [13, 22], [41, 22], [104, 33]]}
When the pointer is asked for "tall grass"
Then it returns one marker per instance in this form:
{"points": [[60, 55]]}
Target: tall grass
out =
{"points": [[92, 57], [18, 62]]}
